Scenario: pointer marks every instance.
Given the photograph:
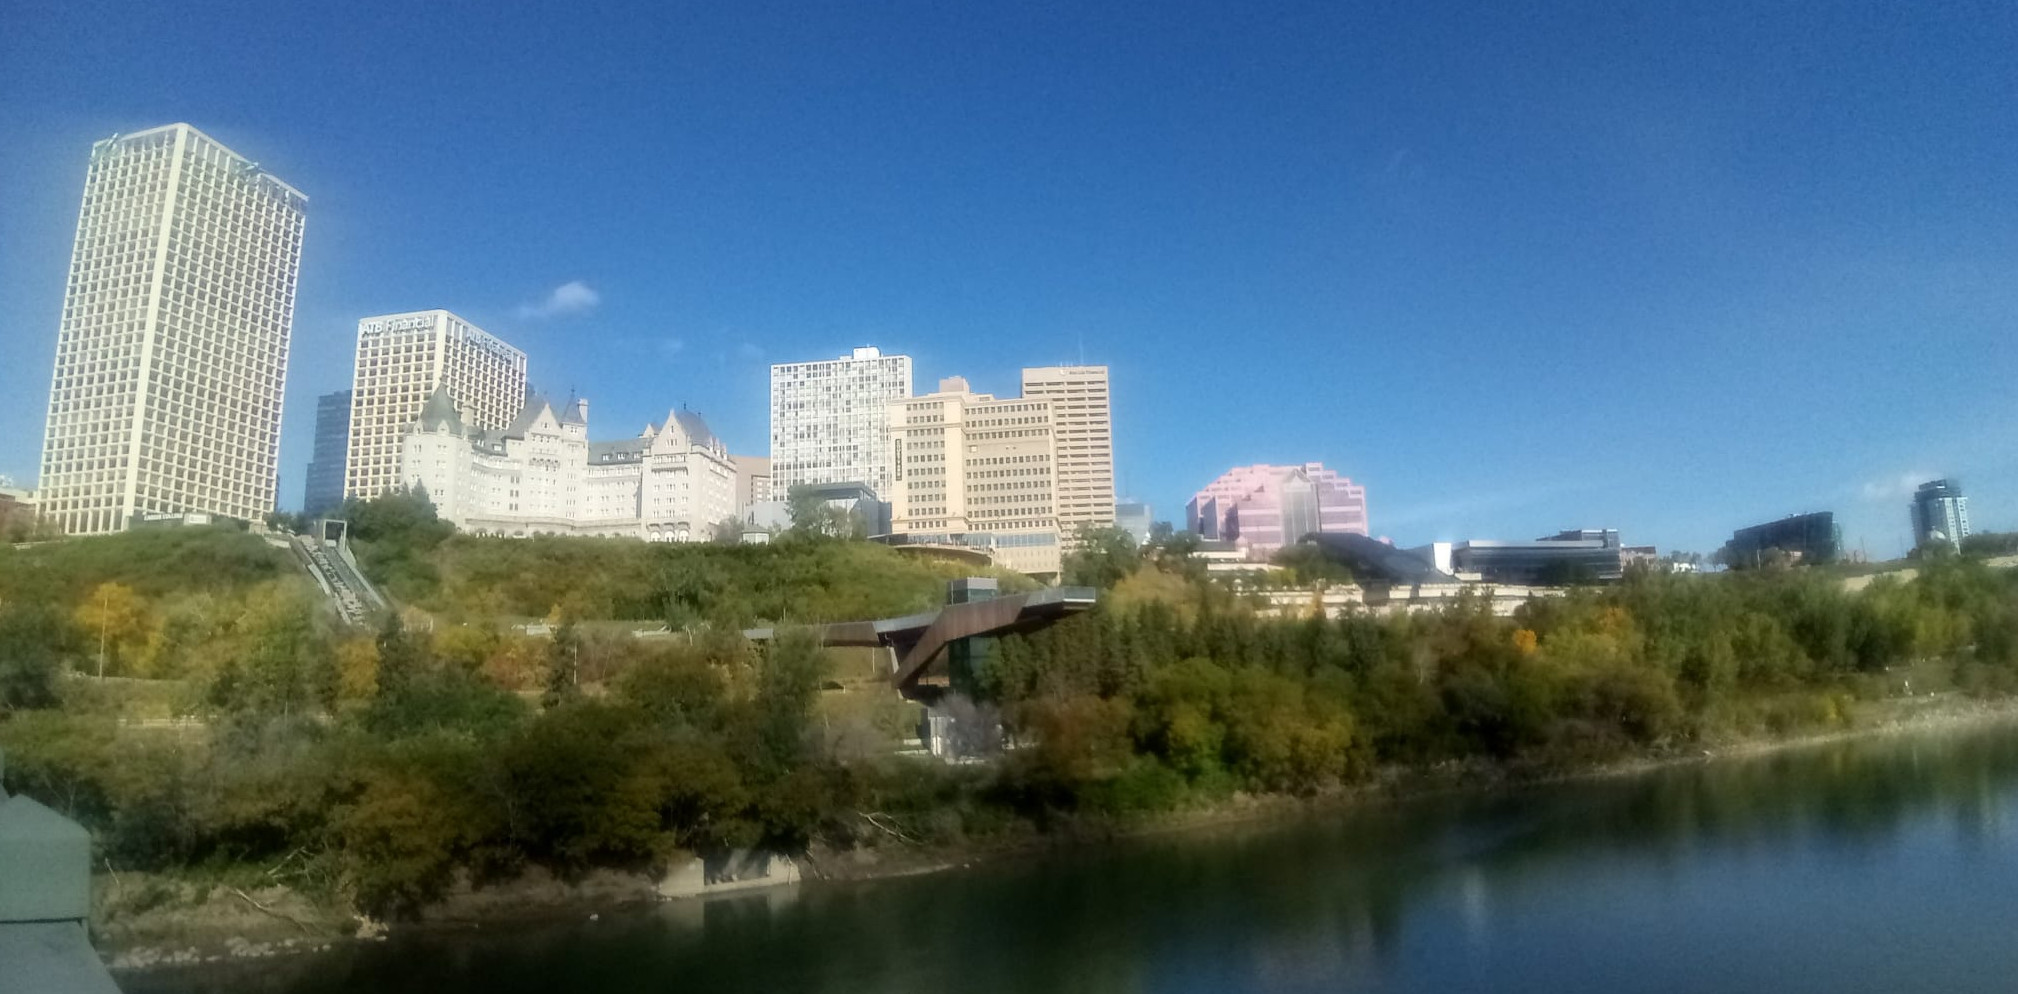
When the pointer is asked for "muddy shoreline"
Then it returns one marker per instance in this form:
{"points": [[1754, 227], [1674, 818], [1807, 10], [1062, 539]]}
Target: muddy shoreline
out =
{"points": [[217, 924]]}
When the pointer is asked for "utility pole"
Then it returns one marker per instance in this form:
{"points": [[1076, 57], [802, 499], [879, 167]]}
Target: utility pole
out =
{"points": [[103, 620]]}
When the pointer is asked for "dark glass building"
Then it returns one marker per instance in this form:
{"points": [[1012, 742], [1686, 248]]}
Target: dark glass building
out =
{"points": [[1810, 538], [324, 490]]}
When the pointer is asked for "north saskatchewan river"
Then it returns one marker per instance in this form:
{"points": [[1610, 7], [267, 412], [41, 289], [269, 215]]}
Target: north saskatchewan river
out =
{"points": [[1882, 864]]}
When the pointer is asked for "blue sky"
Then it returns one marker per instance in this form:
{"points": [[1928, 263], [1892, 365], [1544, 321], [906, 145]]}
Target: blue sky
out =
{"points": [[1670, 268]]}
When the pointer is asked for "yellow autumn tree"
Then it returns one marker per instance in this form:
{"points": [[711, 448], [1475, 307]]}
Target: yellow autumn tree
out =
{"points": [[357, 669], [114, 620]]}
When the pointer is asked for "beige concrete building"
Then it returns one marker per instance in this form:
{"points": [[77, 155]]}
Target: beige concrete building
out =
{"points": [[970, 469], [402, 359], [753, 482], [171, 356], [1083, 424]]}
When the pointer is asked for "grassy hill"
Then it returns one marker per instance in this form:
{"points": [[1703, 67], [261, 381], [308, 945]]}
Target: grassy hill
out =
{"points": [[816, 580], [153, 562]]}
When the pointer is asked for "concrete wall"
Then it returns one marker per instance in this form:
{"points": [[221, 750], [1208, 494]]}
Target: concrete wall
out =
{"points": [[738, 869], [45, 864]]}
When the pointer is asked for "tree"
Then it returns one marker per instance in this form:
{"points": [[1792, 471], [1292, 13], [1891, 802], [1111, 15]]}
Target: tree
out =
{"points": [[284, 665], [728, 531], [815, 516], [1308, 565], [1177, 553], [394, 534], [116, 617], [564, 664], [402, 655], [357, 669], [788, 683], [1101, 558], [676, 688], [30, 636]]}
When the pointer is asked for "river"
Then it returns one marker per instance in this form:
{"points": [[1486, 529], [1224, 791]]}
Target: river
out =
{"points": [[1881, 864]]}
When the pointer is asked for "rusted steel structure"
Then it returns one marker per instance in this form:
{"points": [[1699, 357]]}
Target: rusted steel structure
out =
{"points": [[919, 642]]}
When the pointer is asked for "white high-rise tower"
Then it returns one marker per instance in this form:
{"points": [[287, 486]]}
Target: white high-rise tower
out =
{"points": [[829, 419], [402, 359], [171, 357]]}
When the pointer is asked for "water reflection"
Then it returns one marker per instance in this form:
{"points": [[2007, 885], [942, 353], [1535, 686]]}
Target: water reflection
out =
{"points": [[1707, 877]]}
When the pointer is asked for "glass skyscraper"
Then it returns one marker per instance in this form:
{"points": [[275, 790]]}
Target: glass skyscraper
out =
{"points": [[324, 489]]}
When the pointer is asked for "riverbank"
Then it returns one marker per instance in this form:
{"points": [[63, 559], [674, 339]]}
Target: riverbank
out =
{"points": [[1924, 715], [149, 921]]}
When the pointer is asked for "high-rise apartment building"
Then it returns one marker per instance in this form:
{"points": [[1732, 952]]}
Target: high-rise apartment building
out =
{"points": [[1084, 427], [402, 359], [171, 357], [322, 491], [829, 419], [1940, 514], [1262, 508], [972, 469]]}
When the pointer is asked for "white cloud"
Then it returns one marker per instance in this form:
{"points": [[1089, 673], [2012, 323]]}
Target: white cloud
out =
{"points": [[750, 350], [1895, 489], [572, 297], [671, 346]]}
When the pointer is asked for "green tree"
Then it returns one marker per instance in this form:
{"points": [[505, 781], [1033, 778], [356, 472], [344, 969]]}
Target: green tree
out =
{"points": [[789, 675], [1102, 556], [564, 664], [402, 654], [31, 636], [284, 665], [1308, 565], [815, 516]]}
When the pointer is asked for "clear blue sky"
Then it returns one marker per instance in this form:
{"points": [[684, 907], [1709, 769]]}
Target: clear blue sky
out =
{"points": [[1666, 267]]}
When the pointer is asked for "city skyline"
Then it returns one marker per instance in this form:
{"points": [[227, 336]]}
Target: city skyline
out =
{"points": [[1697, 300]]}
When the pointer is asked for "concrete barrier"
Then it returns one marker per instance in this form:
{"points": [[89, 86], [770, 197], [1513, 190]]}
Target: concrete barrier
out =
{"points": [[736, 870], [45, 896]]}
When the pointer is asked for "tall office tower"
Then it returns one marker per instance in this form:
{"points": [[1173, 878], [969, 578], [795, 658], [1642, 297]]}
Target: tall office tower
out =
{"points": [[971, 469], [323, 490], [1940, 514], [171, 357], [402, 359], [829, 419], [1085, 430]]}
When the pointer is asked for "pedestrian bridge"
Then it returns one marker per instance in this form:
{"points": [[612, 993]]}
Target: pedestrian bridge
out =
{"points": [[919, 642]]}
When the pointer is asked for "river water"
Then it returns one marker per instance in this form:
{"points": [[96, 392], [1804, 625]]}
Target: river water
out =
{"points": [[1888, 864]]}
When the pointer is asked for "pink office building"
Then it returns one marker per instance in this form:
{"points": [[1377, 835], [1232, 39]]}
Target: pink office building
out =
{"points": [[1262, 508]]}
